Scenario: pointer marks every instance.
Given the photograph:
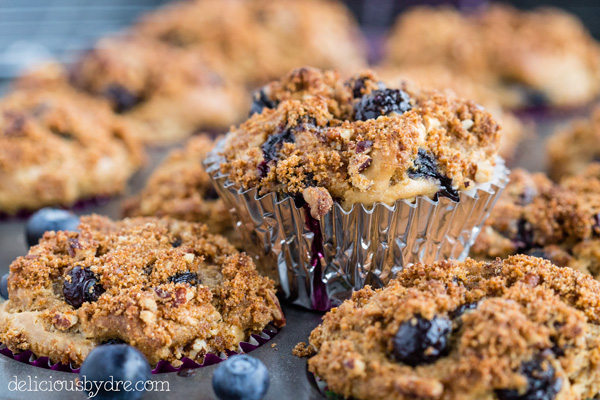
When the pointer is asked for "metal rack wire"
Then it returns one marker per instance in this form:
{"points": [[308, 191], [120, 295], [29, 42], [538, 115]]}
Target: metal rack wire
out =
{"points": [[35, 30]]}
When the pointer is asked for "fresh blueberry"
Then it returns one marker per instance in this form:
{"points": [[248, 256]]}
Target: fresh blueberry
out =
{"points": [[117, 363], [81, 286], [260, 100], [382, 102], [422, 341], [122, 99], [4, 286], [185, 277], [49, 219], [542, 382], [425, 166], [241, 377]]}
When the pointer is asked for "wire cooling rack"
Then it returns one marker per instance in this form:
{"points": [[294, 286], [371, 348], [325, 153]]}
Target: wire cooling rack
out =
{"points": [[35, 30]]}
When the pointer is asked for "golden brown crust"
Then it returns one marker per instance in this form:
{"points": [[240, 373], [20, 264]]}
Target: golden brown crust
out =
{"points": [[525, 310], [180, 188], [437, 77], [170, 92], [525, 56], [312, 138], [571, 149], [143, 300], [59, 146], [256, 41], [556, 221]]}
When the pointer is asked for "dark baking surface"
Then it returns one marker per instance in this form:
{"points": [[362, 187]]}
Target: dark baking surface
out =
{"points": [[289, 378]]}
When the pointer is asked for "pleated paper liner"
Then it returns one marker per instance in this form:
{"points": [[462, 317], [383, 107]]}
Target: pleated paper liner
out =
{"points": [[319, 263], [256, 340]]}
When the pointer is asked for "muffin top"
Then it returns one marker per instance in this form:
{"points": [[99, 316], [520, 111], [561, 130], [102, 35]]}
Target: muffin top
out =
{"points": [[166, 287], [538, 57], [57, 146], [315, 134], [260, 40], [572, 148], [180, 188], [521, 328]]}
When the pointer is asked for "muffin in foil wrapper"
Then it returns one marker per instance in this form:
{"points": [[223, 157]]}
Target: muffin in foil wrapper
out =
{"points": [[318, 263]]}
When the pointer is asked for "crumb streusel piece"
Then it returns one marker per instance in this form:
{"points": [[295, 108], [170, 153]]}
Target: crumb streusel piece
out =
{"points": [[571, 149], [521, 328], [539, 217], [166, 287], [261, 40], [358, 141], [180, 188], [440, 78], [170, 92], [59, 146], [529, 58]]}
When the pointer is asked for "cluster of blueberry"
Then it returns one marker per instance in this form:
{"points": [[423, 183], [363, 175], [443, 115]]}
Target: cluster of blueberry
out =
{"points": [[240, 377]]}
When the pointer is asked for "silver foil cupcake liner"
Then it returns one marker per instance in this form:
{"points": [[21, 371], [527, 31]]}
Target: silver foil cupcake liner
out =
{"points": [[319, 263], [255, 341]]}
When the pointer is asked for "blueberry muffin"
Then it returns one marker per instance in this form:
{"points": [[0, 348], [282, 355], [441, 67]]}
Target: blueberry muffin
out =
{"points": [[315, 135], [170, 92], [180, 188], [543, 57], [166, 287], [539, 217], [441, 78], [260, 40], [521, 328], [60, 146], [572, 148]]}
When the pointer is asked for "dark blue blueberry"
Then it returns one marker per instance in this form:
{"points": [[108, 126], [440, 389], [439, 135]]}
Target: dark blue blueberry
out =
{"points": [[80, 286], [523, 240], [422, 341], [241, 377], [185, 277], [4, 286], [425, 166], [272, 145], [260, 100], [542, 382], [177, 242], [382, 102], [123, 100], [49, 219], [115, 363]]}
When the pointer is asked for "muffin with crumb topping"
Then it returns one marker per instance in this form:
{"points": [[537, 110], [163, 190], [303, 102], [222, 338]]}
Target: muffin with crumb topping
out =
{"points": [[170, 288], [259, 40], [60, 146], [352, 159], [542, 57]]}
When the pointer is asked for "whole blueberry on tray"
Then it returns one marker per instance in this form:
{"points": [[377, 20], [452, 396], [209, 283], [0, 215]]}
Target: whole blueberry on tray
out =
{"points": [[422, 341], [115, 371], [49, 219], [4, 286], [241, 377]]}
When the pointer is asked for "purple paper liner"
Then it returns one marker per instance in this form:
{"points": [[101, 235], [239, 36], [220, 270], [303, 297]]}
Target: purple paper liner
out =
{"points": [[27, 357]]}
